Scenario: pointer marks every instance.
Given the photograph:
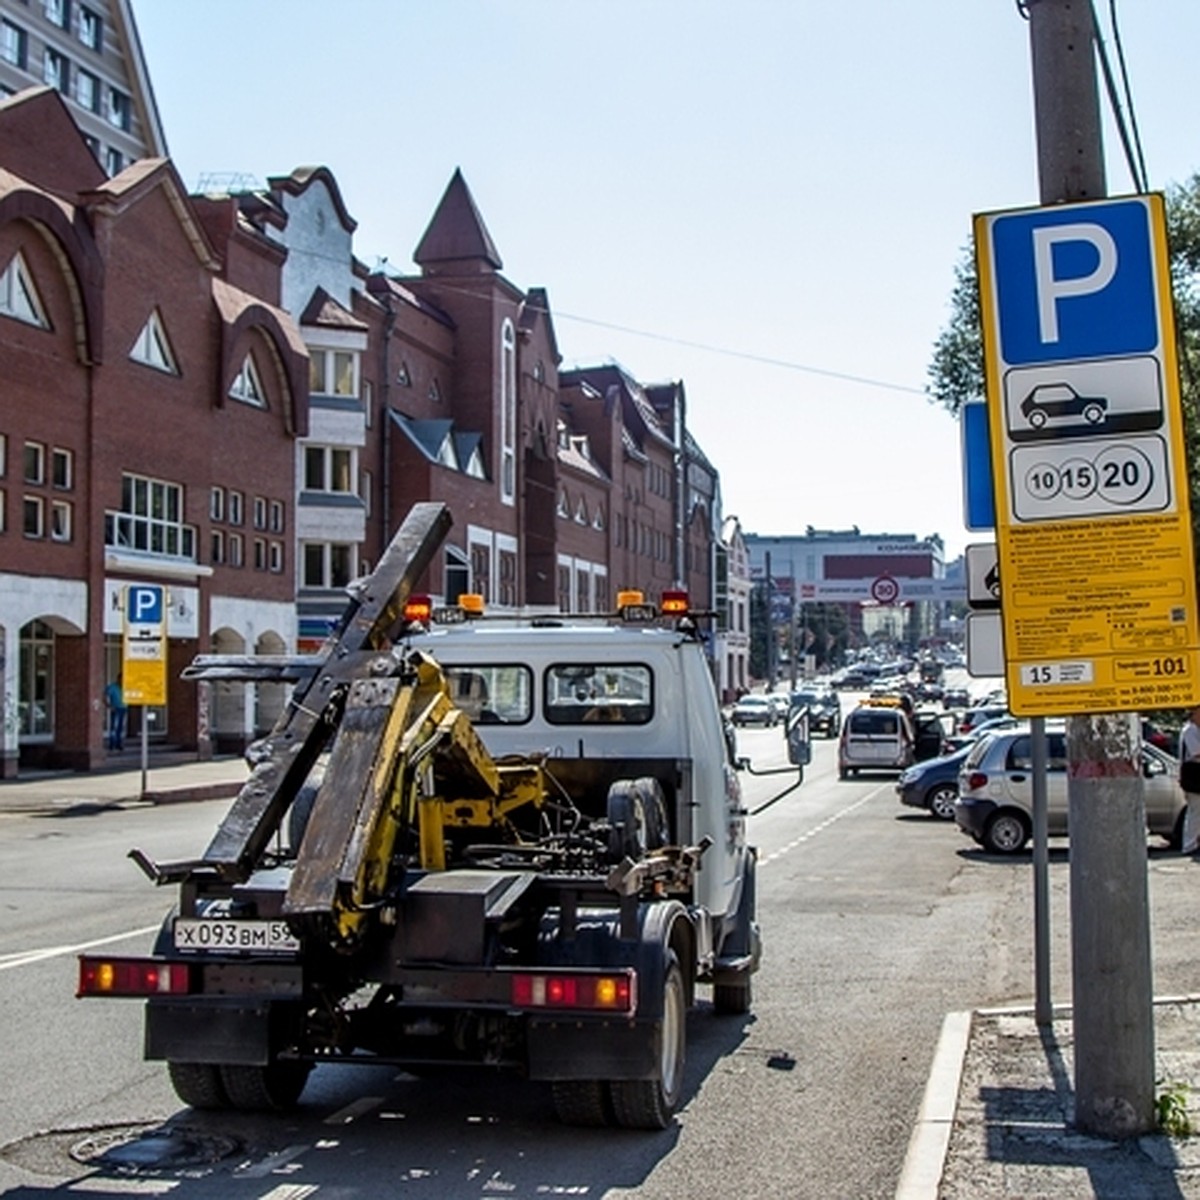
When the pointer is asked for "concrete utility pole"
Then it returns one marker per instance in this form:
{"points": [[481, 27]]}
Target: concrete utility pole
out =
{"points": [[1110, 919]]}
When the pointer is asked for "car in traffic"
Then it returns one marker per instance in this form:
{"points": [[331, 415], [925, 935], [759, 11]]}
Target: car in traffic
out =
{"points": [[995, 791], [956, 740], [885, 734], [933, 784], [976, 716], [1057, 401], [779, 702], [824, 709], [955, 697], [753, 710]]}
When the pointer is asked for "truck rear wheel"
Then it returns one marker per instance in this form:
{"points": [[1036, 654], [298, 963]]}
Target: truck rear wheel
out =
{"points": [[271, 1088], [198, 1084], [582, 1102], [651, 1103]]}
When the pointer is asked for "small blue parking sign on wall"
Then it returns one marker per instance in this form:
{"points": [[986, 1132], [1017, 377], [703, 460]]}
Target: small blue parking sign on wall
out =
{"points": [[1075, 283], [145, 604]]}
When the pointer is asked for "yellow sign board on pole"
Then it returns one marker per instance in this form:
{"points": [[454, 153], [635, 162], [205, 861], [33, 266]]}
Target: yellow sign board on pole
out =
{"points": [[1096, 564], [144, 646]]}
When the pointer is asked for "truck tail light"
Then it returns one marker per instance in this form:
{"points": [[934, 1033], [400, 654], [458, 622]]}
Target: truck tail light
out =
{"points": [[976, 780], [132, 977], [576, 991]]}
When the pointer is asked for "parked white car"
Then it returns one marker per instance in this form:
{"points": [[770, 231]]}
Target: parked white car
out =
{"points": [[995, 791]]}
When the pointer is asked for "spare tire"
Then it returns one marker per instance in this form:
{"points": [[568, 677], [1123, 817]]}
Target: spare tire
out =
{"points": [[637, 818]]}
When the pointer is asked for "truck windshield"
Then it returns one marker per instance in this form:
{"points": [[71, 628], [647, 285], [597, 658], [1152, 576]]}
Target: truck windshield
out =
{"points": [[492, 694], [598, 693]]}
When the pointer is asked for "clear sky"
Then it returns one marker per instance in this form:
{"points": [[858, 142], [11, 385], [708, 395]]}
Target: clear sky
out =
{"points": [[764, 199]]}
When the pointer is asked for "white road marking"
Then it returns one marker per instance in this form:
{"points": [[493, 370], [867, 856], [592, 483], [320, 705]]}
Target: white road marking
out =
{"points": [[808, 835], [98, 1186], [352, 1112], [275, 1162], [27, 958]]}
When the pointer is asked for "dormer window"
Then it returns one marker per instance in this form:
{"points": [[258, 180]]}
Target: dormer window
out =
{"points": [[247, 386], [153, 347], [18, 296]]}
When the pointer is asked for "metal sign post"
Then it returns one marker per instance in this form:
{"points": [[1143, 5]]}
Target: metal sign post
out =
{"points": [[144, 656]]}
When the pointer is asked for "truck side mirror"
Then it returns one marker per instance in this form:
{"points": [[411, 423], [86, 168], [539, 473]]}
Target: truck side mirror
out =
{"points": [[798, 744]]}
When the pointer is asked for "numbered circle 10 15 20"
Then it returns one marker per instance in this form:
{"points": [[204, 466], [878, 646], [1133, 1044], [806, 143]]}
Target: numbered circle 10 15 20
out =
{"points": [[1118, 477]]}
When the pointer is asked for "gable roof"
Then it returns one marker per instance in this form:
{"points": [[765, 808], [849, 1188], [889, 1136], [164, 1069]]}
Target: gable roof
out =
{"points": [[324, 311], [457, 234], [114, 196], [36, 121]]}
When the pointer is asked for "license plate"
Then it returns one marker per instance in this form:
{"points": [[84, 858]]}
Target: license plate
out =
{"points": [[232, 935]]}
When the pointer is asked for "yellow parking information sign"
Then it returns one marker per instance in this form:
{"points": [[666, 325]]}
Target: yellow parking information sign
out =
{"points": [[1097, 578], [144, 646]]}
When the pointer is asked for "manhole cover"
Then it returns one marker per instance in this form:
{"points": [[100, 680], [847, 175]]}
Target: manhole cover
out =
{"points": [[152, 1148]]}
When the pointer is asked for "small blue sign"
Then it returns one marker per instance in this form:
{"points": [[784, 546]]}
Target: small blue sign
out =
{"points": [[1075, 283], [979, 502], [144, 604]]}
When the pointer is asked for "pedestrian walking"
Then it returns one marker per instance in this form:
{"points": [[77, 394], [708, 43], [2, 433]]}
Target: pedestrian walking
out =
{"points": [[114, 697], [1189, 780]]}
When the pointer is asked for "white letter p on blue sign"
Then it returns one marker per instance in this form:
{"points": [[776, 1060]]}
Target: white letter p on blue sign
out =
{"points": [[1051, 289]]}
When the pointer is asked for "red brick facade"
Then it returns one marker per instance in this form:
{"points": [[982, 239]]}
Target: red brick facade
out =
{"points": [[221, 467]]}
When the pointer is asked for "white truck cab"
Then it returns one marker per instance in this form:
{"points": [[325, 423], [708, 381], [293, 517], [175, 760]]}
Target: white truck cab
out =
{"points": [[585, 690]]}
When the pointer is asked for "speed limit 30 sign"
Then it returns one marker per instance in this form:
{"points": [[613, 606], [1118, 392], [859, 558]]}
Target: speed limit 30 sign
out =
{"points": [[1092, 523]]}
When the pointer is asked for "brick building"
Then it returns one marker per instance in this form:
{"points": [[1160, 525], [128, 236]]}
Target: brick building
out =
{"points": [[211, 393], [147, 428]]}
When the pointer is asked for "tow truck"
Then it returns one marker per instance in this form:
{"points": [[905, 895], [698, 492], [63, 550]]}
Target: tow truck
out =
{"points": [[517, 842]]}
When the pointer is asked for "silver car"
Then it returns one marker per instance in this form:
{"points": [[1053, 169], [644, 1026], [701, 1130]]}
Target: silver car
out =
{"points": [[995, 791]]}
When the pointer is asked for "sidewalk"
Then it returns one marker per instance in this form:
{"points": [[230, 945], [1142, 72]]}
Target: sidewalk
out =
{"points": [[172, 780], [997, 1119]]}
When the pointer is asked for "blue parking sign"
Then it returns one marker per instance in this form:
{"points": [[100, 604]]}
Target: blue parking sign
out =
{"points": [[144, 604], [1075, 282]]}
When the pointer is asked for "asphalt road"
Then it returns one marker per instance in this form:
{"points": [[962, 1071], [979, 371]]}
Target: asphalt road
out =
{"points": [[877, 921]]}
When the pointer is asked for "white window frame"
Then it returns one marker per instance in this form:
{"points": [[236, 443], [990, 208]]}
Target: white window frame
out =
{"points": [[62, 469], [90, 28], [236, 507], [336, 464], [324, 378], [60, 520], [152, 347], [247, 385], [35, 506], [34, 462], [216, 504], [508, 412], [56, 70], [19, 297], [14, 43], [87, 89]]}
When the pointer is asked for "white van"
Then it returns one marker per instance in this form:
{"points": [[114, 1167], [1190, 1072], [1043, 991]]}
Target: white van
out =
{"points": [[883, 737]]}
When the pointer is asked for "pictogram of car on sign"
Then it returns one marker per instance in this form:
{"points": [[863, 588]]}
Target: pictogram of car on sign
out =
{"points": [[1060, 401]]}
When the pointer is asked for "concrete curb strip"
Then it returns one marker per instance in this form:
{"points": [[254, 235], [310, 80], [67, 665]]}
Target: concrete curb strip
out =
{"points": [[926, 1155]]}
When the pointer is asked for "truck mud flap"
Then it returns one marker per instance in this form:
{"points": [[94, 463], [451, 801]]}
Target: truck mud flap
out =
{"points": [[599, 1050], [249, 1033]]}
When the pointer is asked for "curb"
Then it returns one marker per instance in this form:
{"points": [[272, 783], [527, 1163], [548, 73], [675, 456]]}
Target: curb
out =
{"points": [[183, 795], [926, 1155]]}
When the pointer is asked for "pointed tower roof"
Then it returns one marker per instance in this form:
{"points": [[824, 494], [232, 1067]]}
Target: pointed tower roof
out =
{"points": [[457, 241]]}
